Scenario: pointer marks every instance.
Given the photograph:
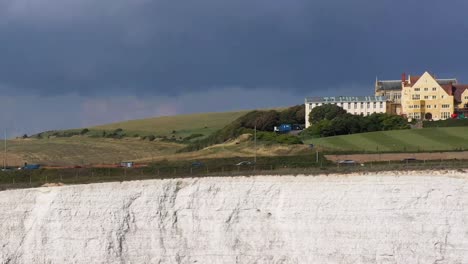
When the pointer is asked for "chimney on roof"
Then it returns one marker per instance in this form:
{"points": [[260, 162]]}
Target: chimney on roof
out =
{"points": [[403, 77]]}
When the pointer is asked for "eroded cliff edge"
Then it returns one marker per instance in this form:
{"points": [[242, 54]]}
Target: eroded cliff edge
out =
{"points": [[418, 217]]}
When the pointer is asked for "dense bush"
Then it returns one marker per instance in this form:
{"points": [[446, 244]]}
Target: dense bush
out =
{"points": [[293, 115], [446, 123], [264, 121], [331, 121], [325, 112], [117, 134], [84, 131], [65, 133]]}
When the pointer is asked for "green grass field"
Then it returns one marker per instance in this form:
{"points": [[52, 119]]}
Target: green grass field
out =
{"points": [[427, 139], [184, 125]]}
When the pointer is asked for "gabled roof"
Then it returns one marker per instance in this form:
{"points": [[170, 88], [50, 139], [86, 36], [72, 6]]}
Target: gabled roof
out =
{"points": [[458, 91], [448, 88], [414, 79]]}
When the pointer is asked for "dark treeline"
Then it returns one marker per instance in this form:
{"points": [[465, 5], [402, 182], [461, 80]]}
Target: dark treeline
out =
{"points": [[264, 121], [332, 120]]}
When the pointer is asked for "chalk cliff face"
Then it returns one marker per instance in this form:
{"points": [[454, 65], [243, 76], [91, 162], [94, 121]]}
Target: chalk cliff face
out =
{"points": [[417, 218]]}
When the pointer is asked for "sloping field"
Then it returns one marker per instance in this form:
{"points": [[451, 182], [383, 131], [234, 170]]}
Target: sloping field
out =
{"points": [[427, 139], [83, 150], [183, 125]]}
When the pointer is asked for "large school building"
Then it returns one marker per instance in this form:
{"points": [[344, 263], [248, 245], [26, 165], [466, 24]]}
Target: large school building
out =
{"points": [[416, 97]]}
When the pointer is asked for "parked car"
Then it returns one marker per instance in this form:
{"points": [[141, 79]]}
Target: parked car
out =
{"points": [[348, 162], [408, 160], [197, 164], [244, 163]]}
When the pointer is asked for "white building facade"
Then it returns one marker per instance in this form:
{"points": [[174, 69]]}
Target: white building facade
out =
{"points": [[356, 105]]}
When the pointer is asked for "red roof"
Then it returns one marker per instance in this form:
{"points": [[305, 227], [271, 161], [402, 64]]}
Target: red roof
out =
{"points": [[459, 89], [448, 88], [414, 79]]}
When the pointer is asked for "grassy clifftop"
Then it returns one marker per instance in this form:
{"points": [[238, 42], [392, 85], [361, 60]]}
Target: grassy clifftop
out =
{"points": [[183, 125], [427, 139]]}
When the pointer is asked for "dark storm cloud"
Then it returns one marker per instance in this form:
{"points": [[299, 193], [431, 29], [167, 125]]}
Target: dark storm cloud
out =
{"points": [[166, 47]]}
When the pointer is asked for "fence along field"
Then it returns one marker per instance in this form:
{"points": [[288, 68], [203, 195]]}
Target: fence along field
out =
{"points": [[291, 166]]}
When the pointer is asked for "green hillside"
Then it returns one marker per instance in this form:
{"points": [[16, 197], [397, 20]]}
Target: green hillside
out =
{"points": [[178, 127], [183, 125], [427, 139]]}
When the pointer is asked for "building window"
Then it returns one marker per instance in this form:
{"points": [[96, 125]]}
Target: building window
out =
{"points": [[434, 89], [435, 106], [355, 105], [349, 105], [417, 116], [428, 106], [445, 106], [375, 105], [442, 96], [466, 97], [445, 115], [426, 97], [368, 104], [362, 105], [426, 89], [434, 97], [381, 104], [416, 97], [416, 89]]}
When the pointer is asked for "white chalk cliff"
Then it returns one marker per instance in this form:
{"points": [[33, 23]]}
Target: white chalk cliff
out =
{"points": [[414, 218]]}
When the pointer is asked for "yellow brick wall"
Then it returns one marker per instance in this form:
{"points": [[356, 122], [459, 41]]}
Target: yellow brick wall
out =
{"points": [[426, 96], [464, 99]]}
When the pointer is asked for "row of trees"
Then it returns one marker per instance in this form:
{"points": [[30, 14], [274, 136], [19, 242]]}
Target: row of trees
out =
{"points": [[265, 121], [332, 120]]}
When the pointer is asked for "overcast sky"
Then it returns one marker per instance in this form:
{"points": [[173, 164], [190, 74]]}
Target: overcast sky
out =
{"points": [[77, 63]]}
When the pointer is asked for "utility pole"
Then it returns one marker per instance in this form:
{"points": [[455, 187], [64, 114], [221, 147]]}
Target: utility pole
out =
{"points": [[4, 157], [255, 140]]}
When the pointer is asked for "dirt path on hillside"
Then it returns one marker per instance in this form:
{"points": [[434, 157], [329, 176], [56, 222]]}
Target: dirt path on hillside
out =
{"points": [[400, 156]]}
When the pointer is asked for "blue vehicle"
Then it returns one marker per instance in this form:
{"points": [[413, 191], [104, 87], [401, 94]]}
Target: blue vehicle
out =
{"points": [[30, 167], [283, 128]]}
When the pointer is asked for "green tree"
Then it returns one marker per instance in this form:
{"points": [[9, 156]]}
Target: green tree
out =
{"points": [[84, 131], [263, 120], [325, 112], [293, 115]]}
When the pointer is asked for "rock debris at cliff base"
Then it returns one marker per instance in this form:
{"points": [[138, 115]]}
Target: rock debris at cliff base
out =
{"points": [[413, 217]]}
